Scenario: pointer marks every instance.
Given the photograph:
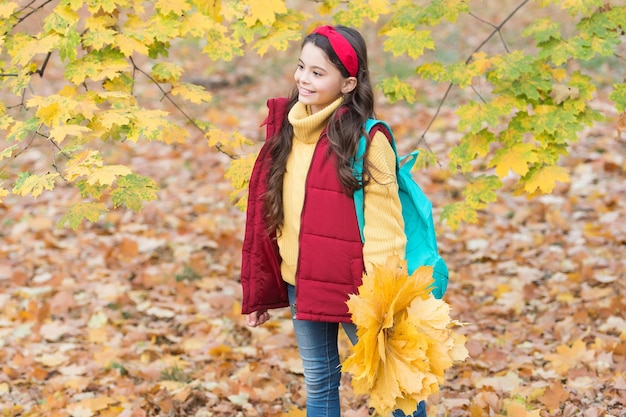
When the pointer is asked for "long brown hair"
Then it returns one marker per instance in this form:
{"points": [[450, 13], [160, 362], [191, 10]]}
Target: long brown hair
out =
{"points": [[344, 129]]}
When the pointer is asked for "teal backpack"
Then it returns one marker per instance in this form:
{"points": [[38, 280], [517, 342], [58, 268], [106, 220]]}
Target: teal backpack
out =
{"points": [[417, 212]]}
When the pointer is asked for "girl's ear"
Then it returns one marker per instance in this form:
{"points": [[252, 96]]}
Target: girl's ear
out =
{"points": [[349, 84]]}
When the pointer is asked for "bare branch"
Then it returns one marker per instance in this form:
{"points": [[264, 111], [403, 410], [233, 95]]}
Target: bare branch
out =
{"points": [[166, 95], [32, 11], [41, 70]]}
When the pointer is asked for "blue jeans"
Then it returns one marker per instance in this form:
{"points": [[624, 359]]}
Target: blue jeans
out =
{"points": [[317, 344]]}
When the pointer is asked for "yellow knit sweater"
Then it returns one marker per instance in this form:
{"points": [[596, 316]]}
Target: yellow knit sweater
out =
{"points": [[384, 227]]}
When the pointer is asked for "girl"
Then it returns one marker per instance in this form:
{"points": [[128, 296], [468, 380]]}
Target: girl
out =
{"points": [[302, 247]]}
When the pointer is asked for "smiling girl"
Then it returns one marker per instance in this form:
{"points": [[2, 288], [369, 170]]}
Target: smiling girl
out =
{"points": [[302, 246]]}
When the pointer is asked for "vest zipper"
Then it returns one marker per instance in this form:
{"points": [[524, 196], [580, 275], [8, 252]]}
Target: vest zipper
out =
{"points": [[306, 183]]}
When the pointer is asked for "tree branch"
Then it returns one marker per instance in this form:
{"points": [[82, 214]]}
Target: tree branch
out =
{"points": [[496, 29], [33, 10], [167, 96]]}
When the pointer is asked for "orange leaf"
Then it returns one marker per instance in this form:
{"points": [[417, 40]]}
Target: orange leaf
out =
{"points": [[570, 357], [554, 396]]}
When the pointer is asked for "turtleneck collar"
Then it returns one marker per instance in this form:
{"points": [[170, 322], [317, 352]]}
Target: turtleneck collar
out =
{"points": [[308, 127]]}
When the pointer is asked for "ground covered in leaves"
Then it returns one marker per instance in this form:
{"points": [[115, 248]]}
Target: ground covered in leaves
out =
{"points": [[139, 314]]}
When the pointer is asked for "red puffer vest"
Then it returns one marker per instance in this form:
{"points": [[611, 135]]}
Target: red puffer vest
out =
{"points": [[330, 263]]}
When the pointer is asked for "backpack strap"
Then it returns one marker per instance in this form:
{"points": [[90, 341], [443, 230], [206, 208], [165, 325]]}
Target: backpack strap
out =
{"points": [[357, 165]]}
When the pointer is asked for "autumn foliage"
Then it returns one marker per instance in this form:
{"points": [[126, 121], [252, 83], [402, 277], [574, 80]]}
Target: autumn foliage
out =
{"points": [[526, 103], [406, 338], [131, 115]]}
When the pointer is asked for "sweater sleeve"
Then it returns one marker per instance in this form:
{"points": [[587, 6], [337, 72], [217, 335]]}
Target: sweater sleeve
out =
{"points": [[384, 227]]}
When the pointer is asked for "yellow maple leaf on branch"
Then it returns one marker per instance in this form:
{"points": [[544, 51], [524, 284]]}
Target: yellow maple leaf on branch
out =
{"points": [[406, 338]]}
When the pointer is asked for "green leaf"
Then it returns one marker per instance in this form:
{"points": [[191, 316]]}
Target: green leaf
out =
{"points": [[77, 212], [410, 14], [395, 90], [408, 41], [98, 65], [166, 71], [557, 51], [474, 115], [220, 47], [68, 45], [426, 158], [277, 39], [97, 39], [618, 96], [471, 145], [548, 118], [456, 213], [432, 70], [358, 11], [511, 66], [91, 190], [543, 30], [132, 190], [163, 28], [482, 190], [584, 84], [22, 129], [584, 7], [460, 74], [533, 86], [617, 16]]}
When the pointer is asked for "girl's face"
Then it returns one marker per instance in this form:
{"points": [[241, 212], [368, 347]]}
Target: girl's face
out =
{"points": [[318, 80]]}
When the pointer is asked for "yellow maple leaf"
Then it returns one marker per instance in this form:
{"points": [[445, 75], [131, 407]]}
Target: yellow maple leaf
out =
{"points": [[7, 8], [3, 193], [545, 179], [294, 412], [129, 45], [194, 93], [567, 357], [26, 47], [264, 11], [59, 133], [169, 6], [514, 409], [81, 164], [35, 184], [52, 114], [106, 175], [405, 337], [515, 158]]}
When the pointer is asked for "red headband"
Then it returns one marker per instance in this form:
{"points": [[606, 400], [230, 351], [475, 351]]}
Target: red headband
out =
{"points": [[341, 46]]}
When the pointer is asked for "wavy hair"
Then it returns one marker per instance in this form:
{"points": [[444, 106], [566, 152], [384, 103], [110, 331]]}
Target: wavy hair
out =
{"points": [[344, 129]]}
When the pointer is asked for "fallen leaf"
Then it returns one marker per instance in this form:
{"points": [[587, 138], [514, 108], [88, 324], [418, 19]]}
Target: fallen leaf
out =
{"points": [[554, 396]]}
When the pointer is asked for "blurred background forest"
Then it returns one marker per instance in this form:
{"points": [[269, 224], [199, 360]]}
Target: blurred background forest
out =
{"points": [[138, 314]]}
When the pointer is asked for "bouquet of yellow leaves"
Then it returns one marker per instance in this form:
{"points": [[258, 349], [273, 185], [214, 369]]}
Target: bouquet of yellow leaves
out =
{"points": [[406, 338]]}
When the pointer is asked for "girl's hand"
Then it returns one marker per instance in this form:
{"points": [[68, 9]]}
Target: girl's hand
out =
{"points": [[257, 318]]}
